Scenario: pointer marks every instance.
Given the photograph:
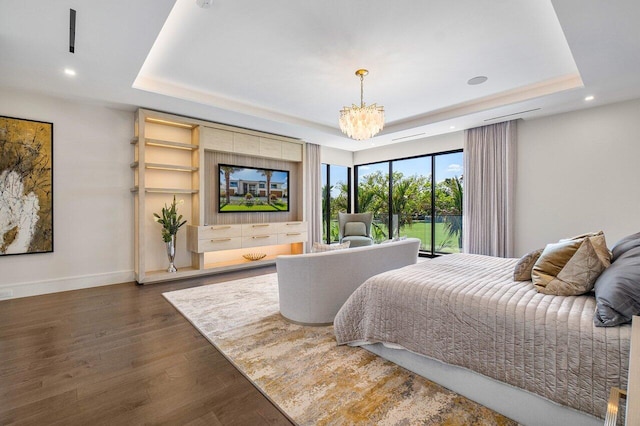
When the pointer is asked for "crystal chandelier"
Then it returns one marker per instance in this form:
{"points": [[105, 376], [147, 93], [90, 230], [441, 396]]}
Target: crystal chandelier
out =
{"points": [[361, 122]]}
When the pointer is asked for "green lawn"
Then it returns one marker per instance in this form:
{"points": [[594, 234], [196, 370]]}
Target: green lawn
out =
{"points": [[422, 231], [254, 208]]}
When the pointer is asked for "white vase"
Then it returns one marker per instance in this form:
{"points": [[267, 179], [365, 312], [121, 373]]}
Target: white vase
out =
{"points": [[171, 254]]}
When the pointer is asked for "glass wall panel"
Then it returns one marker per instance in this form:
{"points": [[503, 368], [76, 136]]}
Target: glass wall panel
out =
{"points": [[411, 199], [373, 196], [325, 188], [338, 196], [448, 203], [335, 198], [424, 200]]}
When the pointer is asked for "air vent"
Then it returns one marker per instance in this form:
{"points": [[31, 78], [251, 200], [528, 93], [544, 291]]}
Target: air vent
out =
{"points": [[72, 30], [510, 115], [407, 137]]}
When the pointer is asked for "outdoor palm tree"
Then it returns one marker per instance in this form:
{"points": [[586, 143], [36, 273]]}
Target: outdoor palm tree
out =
{"points": [[454, 219], [228, 170], [267, 174]]}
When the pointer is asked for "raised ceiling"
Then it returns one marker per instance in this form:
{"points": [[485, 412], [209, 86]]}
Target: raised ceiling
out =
{"points": [[287, 67]]}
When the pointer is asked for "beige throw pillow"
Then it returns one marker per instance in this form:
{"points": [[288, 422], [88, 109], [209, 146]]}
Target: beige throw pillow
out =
{"points": [[319, 247], [355, 229], [570, 267], [522, 271]]}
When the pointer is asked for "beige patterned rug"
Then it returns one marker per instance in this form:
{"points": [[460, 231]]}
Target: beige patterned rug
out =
{"points": [[302, 371]]}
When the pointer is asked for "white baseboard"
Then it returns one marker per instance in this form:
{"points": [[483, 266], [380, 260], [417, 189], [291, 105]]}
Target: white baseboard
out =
{"points": [[34, 288]]}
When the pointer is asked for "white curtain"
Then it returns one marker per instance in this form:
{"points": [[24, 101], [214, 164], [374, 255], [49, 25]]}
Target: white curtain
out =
{"points": [[313, 193], [489, 184]]}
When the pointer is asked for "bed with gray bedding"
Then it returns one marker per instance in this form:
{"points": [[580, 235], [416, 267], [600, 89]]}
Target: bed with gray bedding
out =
{"points": [[466, 310]]}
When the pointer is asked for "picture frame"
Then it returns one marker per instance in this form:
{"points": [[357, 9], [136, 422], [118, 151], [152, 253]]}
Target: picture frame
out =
{"points": [[26, 186]]}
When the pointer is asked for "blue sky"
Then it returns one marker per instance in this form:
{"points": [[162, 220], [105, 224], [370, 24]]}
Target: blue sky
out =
{"points": [[447, 166], [253, 174]]}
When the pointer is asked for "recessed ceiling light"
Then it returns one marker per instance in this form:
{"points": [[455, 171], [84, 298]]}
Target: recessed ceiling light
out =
{"points": [[589, 98], [477, 80], [70, 72], [452, 127]]}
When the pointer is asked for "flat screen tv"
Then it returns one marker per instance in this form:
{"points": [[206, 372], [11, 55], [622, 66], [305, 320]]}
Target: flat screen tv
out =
{"points": [[251, 189]]}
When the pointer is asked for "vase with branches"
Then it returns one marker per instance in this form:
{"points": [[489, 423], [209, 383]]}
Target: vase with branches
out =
{"points": [[171, 221]]}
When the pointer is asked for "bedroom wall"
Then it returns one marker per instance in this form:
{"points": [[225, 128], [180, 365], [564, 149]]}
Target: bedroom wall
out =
{"points": [[578, 172], [93, 207], [338, 157]]}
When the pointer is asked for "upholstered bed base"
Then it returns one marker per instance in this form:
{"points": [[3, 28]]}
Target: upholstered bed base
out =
{"points": [[515, 403]]}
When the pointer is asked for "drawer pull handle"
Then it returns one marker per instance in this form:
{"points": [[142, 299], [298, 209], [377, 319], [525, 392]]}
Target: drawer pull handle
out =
{"points": [[220, 240], [261, 225], [219, 228], [293, 233], [294, 223], [257, 237]]}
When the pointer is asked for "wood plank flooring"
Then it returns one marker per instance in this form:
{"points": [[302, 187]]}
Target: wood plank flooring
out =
{"points": [[119, 355]]}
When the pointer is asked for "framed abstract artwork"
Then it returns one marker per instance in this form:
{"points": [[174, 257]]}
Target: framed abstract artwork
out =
{"points": [[26, 186]]}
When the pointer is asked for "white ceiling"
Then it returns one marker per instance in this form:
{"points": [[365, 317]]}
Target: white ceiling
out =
{"points": [[287, 67]]}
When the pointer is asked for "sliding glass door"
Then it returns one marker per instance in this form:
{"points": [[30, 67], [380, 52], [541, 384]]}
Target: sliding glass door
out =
{"points": [[411, 199], [419, 197], [373, 196], [336, 190], [448, 202]]}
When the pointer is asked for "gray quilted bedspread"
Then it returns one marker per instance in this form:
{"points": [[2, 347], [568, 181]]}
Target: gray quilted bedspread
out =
{"points": [[466, 310]]}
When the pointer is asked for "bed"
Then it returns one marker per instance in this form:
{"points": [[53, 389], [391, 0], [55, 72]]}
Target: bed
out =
{"points": [[465, 315]]}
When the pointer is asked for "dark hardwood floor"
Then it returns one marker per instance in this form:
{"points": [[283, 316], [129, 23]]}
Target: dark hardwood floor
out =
{"points": [[119, 355]]}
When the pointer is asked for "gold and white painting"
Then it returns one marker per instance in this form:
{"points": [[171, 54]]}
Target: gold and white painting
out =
{"points": [[26, 186]]}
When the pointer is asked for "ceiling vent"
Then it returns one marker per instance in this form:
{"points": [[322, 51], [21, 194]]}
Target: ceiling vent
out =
{"points": [[510, 115]]}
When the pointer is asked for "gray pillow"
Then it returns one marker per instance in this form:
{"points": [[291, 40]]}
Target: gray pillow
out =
{"points": [[618, 291], [358, 229], [624, 245]]}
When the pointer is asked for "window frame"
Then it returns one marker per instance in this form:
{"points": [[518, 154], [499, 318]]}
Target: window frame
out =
{"points": [[422, 253]]}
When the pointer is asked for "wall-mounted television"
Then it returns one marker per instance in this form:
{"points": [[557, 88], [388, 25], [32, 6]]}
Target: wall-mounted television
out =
{"points": [[252, 189]]}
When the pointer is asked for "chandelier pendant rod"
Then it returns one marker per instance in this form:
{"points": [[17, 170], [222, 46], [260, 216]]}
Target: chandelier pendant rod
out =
{"points": [[361, 73]]}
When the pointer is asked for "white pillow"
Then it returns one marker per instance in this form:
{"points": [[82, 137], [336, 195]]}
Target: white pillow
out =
{"points": [[319, 247]]}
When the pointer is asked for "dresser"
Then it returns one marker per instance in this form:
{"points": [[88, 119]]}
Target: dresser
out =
{"points": [[226, 245]]}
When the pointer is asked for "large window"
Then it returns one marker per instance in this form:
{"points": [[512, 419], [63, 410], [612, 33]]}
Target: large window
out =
{"points": [[423, 199], [336, 190]]}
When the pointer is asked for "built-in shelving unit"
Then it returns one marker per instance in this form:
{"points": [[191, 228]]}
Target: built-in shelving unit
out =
{"points": [[169, 161]]}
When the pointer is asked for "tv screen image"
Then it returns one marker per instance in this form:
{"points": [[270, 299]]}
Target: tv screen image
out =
{"points": [[250, 189]]}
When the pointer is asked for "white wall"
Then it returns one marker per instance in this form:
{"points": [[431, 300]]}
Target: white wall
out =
{"points": [[93, 207], [338, 157], [578, 172]]}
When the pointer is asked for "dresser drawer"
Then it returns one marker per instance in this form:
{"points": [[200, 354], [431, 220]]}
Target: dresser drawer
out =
{"points": [[286, 227], [219, 231], [219, 243], [251, 229], [292, 237], [259, 240]]}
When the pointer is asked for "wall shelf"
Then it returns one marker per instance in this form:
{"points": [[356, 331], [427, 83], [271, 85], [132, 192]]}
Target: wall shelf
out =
{"points": [[169, 167], [166, 144], [166, 190]]}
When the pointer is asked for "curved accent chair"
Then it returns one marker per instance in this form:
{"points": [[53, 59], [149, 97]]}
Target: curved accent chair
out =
{"points": [[356, 228], [312, 287]]}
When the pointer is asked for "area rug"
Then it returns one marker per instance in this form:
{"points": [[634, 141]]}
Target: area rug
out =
{"points": [[302, 370]]}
